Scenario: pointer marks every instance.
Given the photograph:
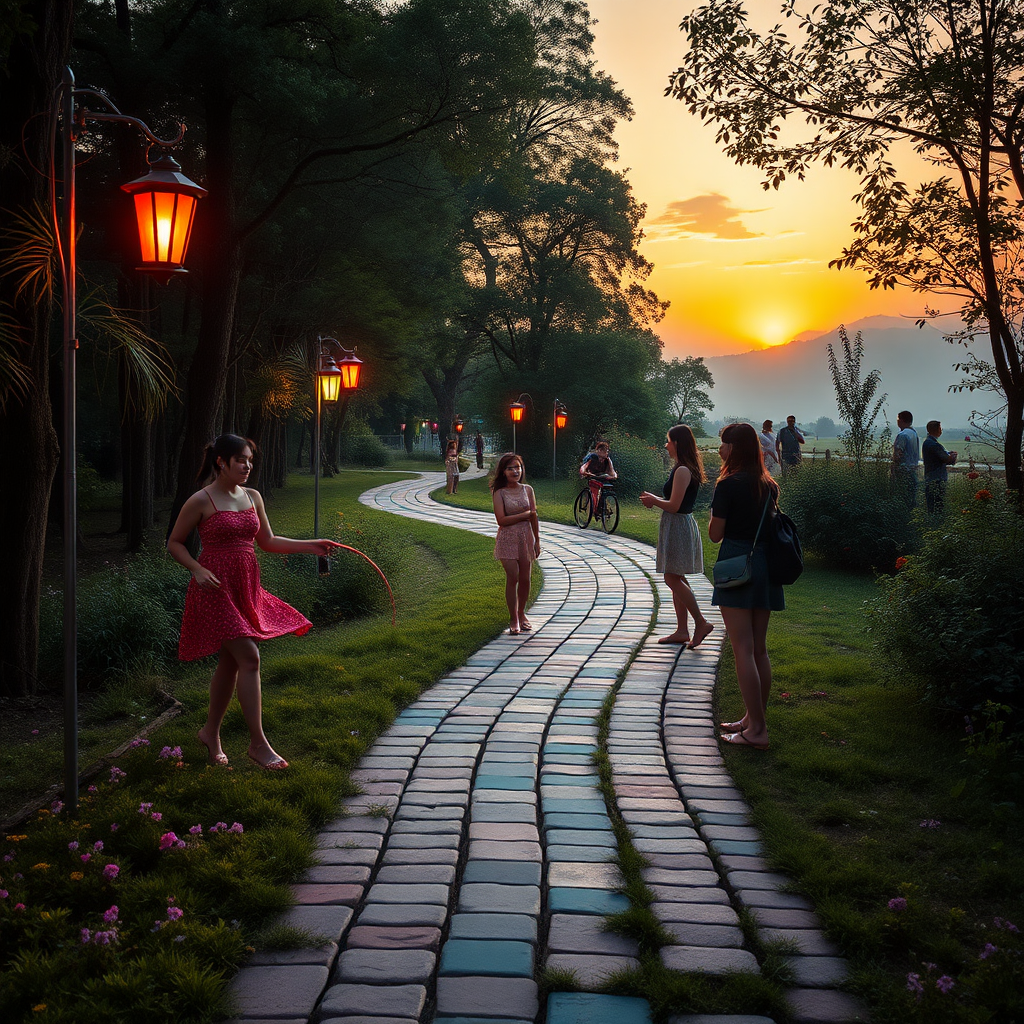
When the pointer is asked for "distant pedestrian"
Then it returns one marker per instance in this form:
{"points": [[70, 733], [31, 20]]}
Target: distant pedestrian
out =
{"points": [[770, 447], [479, 450], [680, 550], [935, 459], [451, 467], [517, 544], [906, 453], [744, 488], [788, 448]]}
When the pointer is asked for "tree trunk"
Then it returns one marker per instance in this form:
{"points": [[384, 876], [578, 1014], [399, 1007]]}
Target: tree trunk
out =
{"points": [[28, 442], [1014, 441]]}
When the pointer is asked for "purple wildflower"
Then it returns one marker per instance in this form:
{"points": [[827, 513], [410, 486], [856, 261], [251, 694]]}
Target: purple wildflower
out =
{"points": [[914, 984], [175, 913], [944, 984], [114, 827], [86, 857], [167, 840], [73, 845], [97, 847], [57, 806], [144, 808], [237, 828], [988, 951], [898, 904], [19, 906], [86, 935], [116, 774], [110, 872], [196, 830], [110, 916], [930, 823], [4, 894], [157, 816]]}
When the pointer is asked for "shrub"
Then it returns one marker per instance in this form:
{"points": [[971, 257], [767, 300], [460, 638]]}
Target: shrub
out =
{"points": [[639, 465], [365, 450], [848, 517], [951, 615]]}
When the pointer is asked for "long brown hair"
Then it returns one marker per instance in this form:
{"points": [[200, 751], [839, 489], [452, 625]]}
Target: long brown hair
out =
{"points": [[686, 451], [498, 481], [747, 456]]}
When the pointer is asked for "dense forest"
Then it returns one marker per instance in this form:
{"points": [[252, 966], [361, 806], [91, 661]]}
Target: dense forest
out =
{"points": [[433, 183]]}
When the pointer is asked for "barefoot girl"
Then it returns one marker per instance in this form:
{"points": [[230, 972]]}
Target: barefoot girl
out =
{"points": [[744, 488], [226, 609], [518, 540], [679, 546]]}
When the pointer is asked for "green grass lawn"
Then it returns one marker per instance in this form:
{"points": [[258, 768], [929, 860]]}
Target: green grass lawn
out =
{"points": [[855, 801]]}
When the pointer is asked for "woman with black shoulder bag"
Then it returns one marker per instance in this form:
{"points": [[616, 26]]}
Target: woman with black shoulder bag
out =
{"points": [[745, 498]]}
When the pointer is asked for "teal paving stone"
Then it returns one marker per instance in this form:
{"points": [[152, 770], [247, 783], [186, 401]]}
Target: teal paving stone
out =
{"points": [[523, 813], [593, 854], [562, 900], [587, 821], [502, 958], [557, 747], [593, 804], [504, 782], [496, 796], [721, 846], [741, 833], [551, 778], [588, 1008], [719, 818], [488, 897], [503, 872], [679, 817], [660, 846], [560, 719], [580, 837]]}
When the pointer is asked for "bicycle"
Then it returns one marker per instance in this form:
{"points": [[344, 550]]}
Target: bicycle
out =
{"points": [[606, 513]]}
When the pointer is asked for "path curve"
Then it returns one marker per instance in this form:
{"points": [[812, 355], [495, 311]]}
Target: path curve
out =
{"points": [[480, 851]]}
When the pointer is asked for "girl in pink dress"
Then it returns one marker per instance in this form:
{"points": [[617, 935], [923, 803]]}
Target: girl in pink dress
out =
{"points": [[226, 609], [518, 540]]}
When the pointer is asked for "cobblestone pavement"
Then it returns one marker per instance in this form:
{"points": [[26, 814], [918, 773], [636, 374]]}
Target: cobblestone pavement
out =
{"points": [[481, 849]]}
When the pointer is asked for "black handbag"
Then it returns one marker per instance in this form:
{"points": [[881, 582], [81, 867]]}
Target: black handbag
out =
{"points": [[730, 573], [785, 554]]}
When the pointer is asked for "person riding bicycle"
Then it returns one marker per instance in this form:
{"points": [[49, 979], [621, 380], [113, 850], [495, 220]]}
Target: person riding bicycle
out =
{"points": [[597, 467]]}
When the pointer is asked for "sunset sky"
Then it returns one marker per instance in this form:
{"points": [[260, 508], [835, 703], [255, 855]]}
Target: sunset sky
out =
{"points": [[742, 267]]}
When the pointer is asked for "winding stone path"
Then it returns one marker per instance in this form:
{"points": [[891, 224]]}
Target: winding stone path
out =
{"points": [[480, 850]]}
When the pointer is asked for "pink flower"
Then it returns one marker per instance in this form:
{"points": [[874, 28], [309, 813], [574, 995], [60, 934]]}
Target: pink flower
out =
{"points": [[93, 789], [944, 984], [236, 828], [175, 913], [4, 894], [114, 827], [174, 752], [110, 916], [19, 906], [167, 840], [144, 808], [116, 774], [157, 816], [86, 857], [35, 732], [110, 872], [98, 846], [196, 830], [898, 904]]}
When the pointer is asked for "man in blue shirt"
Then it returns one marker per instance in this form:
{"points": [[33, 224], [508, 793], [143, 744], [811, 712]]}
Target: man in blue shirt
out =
{"points": [[906, 453], [935, 459]]}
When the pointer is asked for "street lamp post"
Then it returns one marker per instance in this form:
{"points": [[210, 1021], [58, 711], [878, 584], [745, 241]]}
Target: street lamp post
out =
{"points": [[559, 419], [331, 379], [165, 202], [516, 411]]}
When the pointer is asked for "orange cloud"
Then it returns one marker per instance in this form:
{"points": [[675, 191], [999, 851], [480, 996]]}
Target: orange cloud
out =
{"points": [[710, 214]]}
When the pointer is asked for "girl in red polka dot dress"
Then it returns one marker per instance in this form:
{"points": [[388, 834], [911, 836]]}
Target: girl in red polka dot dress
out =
{"points": [[226, 609]]}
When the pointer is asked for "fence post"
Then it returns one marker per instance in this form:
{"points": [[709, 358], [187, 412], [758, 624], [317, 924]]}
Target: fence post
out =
{"points": [[828, 456]]}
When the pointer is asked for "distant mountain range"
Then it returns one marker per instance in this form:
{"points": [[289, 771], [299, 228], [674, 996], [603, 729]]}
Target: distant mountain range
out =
{"points": [[916, 364]]}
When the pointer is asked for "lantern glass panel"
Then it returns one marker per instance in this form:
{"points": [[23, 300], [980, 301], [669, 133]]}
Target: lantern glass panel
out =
{"points": [[165, 222], [350, 370], [517, 412], [330, 385]]}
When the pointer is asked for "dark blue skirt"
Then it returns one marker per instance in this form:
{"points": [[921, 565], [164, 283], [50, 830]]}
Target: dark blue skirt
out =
{"points": [[758, 593]]}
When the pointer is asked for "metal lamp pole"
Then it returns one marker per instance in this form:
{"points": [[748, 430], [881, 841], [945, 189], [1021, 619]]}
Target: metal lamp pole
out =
{"points": [[558, 413], [164, 205]]}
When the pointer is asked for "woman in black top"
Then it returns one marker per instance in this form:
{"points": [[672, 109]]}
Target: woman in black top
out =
{"points": [[679, 546], [743, 488]]}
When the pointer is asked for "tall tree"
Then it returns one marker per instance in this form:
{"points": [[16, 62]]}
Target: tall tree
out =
{"points": [[34, 46], [685, 386], [854, 395], [944, 78]]}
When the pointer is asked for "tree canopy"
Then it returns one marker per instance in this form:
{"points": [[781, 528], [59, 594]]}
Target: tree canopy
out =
{"points": [[945, 78]]}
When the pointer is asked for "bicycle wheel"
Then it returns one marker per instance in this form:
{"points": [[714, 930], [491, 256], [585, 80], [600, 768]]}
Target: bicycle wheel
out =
{"points": [[608, 513], [581, 509]]}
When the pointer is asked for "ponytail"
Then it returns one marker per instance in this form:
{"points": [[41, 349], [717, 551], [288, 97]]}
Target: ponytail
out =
{"points": [[225, 447]]}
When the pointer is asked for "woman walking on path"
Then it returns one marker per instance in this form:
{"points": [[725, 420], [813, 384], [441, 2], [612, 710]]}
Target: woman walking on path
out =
{"points": [[679, 546], [451, 467], [518, 540], [744, 488], [226, 609]]}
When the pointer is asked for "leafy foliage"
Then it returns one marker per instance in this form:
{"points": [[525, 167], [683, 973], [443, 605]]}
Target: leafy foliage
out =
{"points": [[685, 386], [950, 615], [854, 396]]}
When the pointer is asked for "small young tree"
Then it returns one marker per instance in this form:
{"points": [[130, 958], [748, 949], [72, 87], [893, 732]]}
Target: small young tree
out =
{"points": [[854, 396]]}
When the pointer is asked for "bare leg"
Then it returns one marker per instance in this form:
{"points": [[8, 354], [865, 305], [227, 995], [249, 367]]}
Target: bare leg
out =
{"points": [[245, 652], [684, 601], [222, 689], [511, 566], [747, 629], [523, 592]]}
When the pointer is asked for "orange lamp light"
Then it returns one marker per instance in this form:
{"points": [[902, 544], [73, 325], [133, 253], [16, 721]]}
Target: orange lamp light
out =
{"points": [[516, 410], [561, 418], [165, 205], [458, 426], [351, 368]]}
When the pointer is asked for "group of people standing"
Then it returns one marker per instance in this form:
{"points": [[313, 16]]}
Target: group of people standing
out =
{"points": [[908, 451], [781, 451]]}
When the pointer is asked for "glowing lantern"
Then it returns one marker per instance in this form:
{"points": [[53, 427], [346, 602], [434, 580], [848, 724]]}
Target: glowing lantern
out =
{"points": [[516, 409]]}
